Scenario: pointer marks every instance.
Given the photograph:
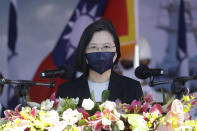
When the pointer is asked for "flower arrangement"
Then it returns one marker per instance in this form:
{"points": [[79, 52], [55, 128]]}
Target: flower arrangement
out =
{"points": [[64, 115]]}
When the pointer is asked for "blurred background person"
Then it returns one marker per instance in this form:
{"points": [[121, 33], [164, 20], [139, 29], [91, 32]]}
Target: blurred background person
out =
{"points": [[126, 68]]}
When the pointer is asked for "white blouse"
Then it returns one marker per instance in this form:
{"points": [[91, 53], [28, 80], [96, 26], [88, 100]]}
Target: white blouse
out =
{"points": [[98, 88]]}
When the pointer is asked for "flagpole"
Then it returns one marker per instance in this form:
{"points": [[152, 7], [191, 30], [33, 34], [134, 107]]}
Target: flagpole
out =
{"points": [[136, 52]]}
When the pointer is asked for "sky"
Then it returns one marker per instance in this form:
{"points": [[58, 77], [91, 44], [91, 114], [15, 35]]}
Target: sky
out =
{"points": [[40, 22]]}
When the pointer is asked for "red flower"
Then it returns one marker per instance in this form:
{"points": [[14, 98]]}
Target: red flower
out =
{"points": [[136, 107], [144, 108], [11, 115], [53, 98], [156, 108], [85, 114], [33, 112], [148, 98]]}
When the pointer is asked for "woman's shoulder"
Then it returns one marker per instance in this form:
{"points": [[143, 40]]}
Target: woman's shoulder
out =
{"points": [[68, 88]]}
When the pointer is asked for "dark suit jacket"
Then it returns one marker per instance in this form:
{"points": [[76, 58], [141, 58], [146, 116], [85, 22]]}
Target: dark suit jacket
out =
{"points": [[121, 87]]}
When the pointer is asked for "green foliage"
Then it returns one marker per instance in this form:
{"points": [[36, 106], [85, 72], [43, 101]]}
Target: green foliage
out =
{"points": [[115, 128], [95, 109], [93, 97], [82, 122], [87, 128], [66, 104], [164, 107], [105, 95], [164, 97], [92, 117]]}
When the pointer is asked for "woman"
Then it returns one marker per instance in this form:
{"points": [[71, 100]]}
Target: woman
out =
{"points": [[98, 51]]}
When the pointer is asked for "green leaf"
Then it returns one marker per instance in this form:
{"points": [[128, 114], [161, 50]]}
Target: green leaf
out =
{"points": [[82, 122], [105, 95], [93, 97], [115, 128], [87, 128], [101, 108], [164, 97], [92, 117], [164, 107], [66, 104]]}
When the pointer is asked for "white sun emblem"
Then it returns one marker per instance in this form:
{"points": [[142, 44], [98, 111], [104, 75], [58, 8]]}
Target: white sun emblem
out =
{"points": [[83, 19]]}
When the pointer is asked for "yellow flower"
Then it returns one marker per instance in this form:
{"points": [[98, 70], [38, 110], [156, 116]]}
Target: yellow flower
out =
{"points": [[151, 117], [149, 124], [148, 115], [186, 98], [24, 114], [17, 120], [28, 109], [32, 129], [187, 107], [173, 121], [155, 115], [38, 124], [192, 96]]}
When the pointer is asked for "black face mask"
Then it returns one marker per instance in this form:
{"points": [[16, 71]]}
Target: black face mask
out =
{"points": [[100, 61]]}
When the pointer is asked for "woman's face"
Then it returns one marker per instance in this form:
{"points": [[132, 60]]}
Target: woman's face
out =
{"points": [[102, 41]]}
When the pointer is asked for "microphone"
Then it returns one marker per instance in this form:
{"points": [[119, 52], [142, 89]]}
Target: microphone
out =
{"points": [[25, 82], [143, 72], [65, 71]]}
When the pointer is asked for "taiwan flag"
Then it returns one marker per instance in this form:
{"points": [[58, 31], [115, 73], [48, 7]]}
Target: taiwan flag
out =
{"points": [[120, 12]]}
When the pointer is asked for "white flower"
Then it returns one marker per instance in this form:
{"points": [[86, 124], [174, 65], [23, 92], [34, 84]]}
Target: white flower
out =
{"points": [[17, 125], [109, 105], [60, 107], [88, 104], [106, 122], [116, 113], [60, 126], [21, 125], [50, 117], [75, 100], [47, 105], [137, 122], [120, 125], [33, 104], [71, 117]]}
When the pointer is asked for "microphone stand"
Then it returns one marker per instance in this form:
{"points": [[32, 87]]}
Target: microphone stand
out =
{"points": [[178, 85], [178, 88], [21, 90], [153, 83]]}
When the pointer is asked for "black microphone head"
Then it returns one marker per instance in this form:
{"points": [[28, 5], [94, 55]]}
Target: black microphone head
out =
{"points": [[64, 71], [69, 71], [141, 72]]}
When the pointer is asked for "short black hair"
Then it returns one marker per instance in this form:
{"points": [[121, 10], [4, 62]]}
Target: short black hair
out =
{"points": [[100, 25]]}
